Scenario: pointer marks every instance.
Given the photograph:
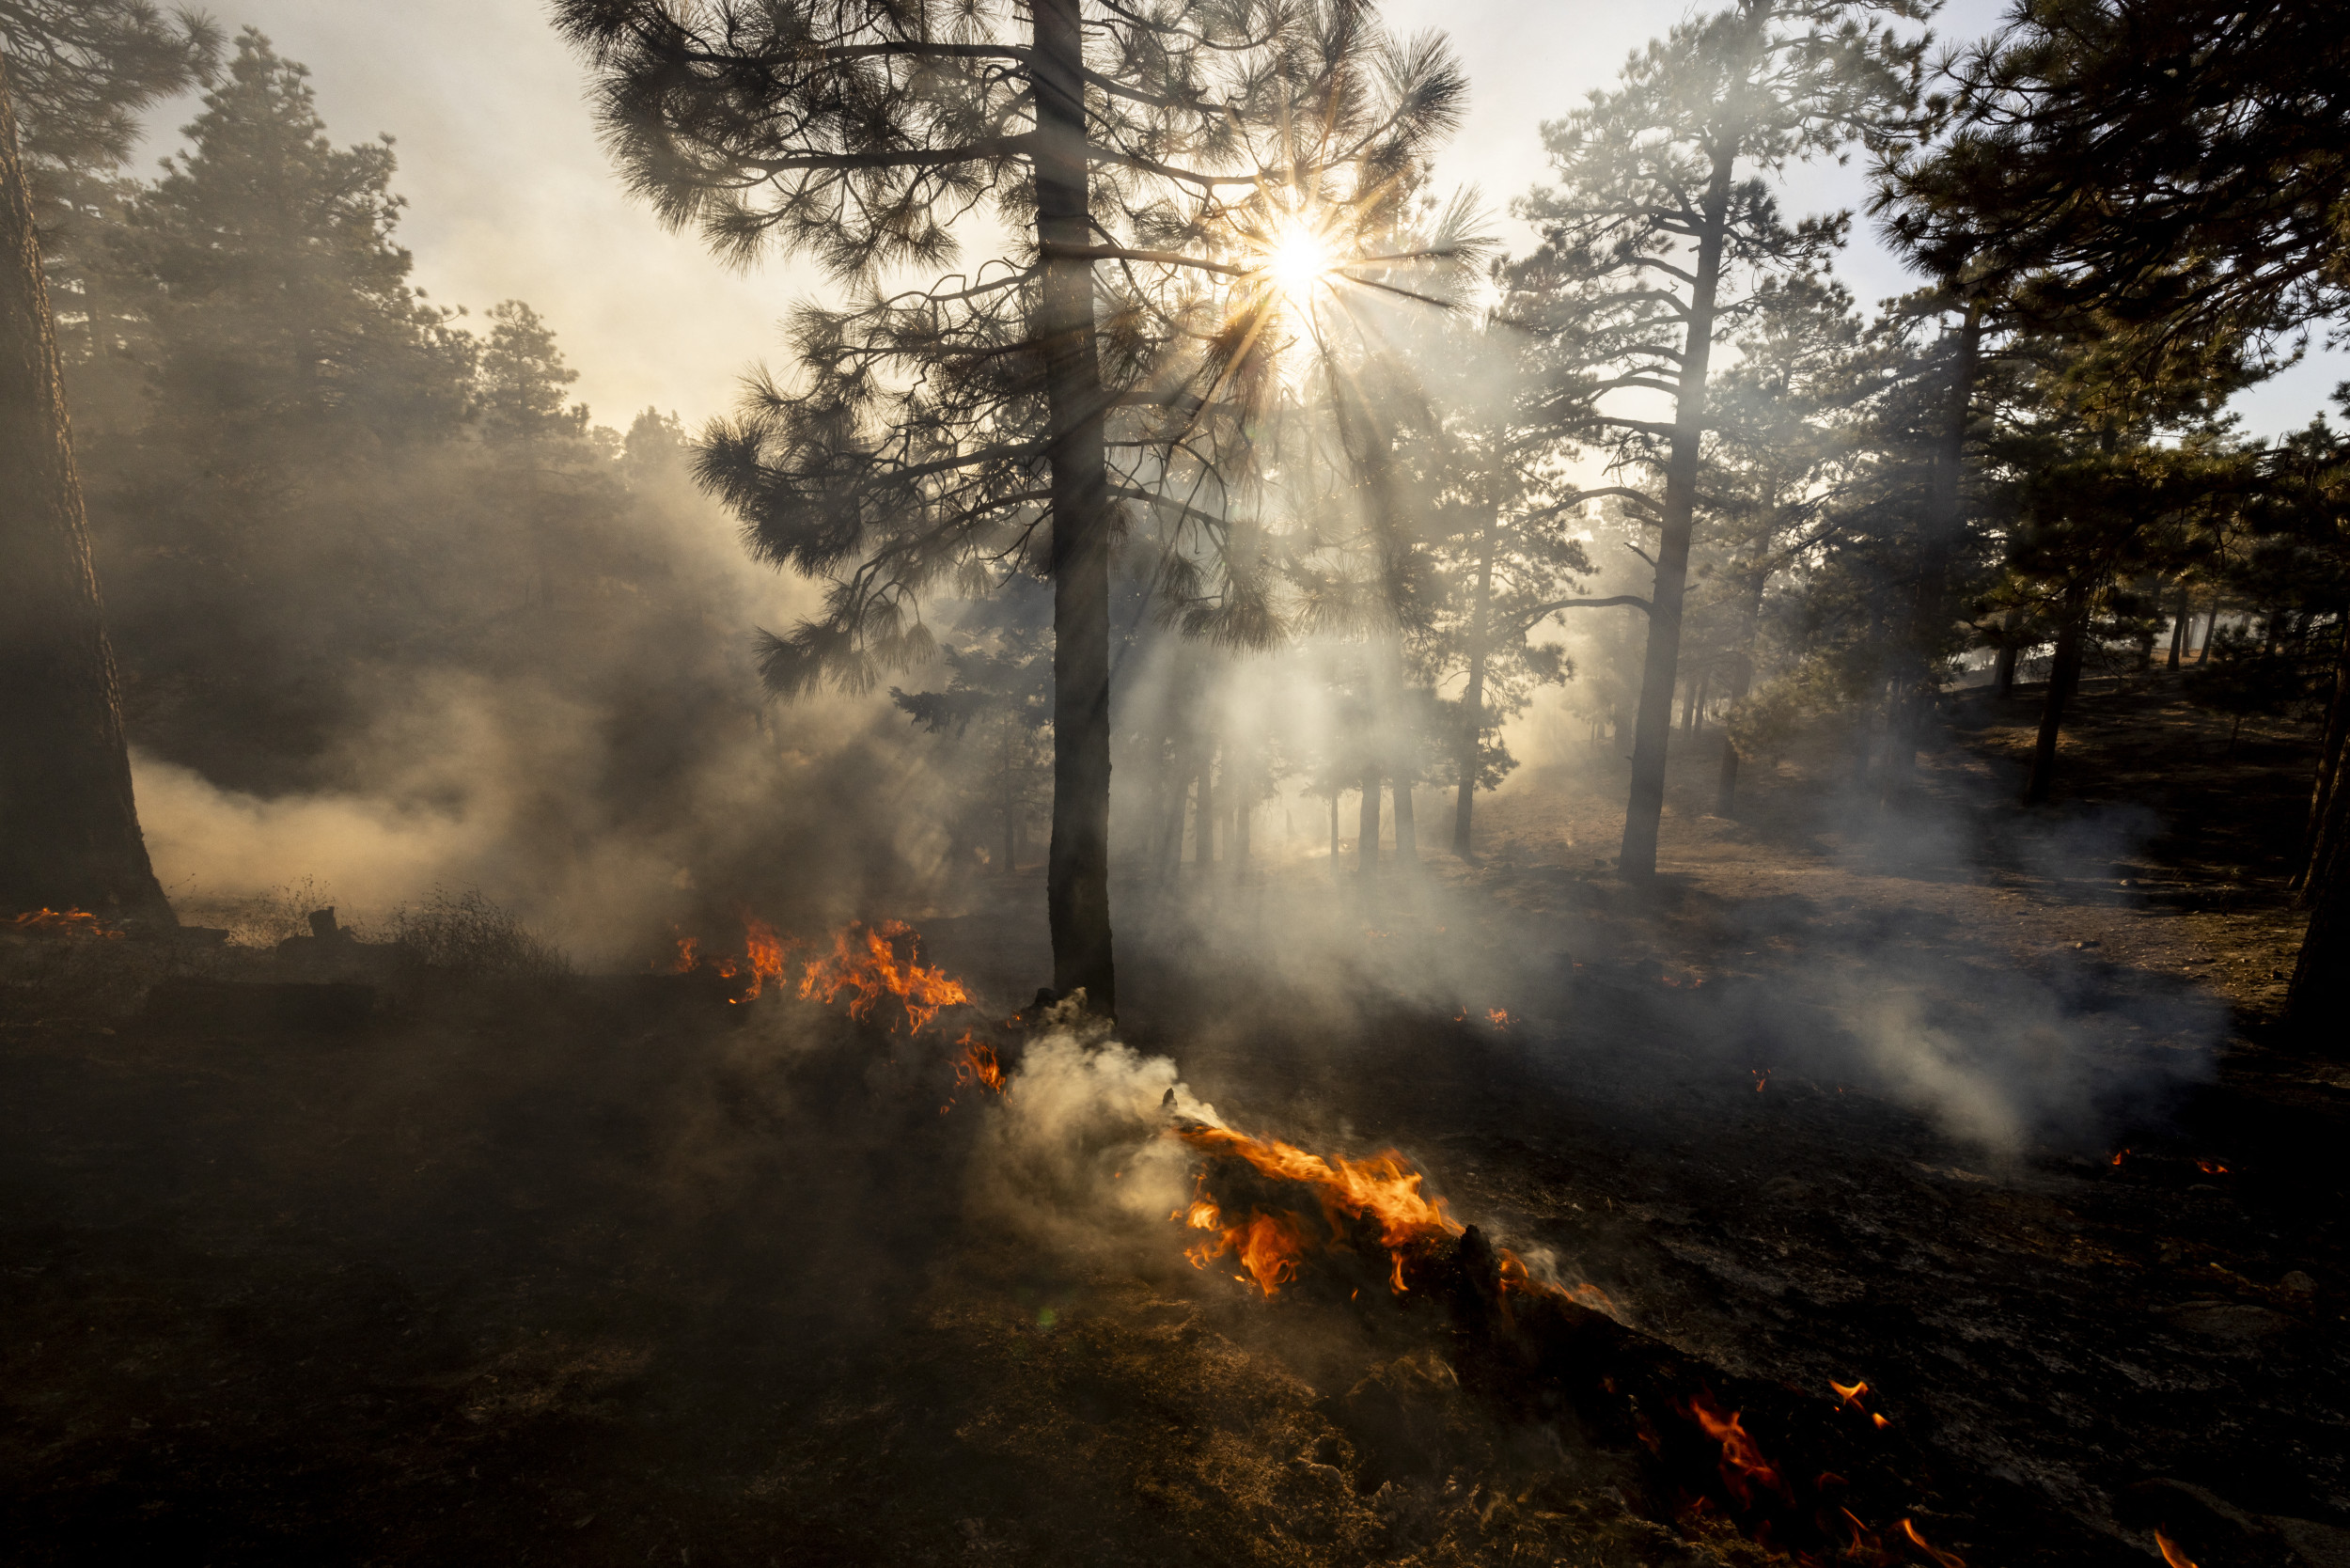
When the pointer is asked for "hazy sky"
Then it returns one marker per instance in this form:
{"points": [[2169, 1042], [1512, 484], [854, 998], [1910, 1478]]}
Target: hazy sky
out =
{"points": [[511, 196]]}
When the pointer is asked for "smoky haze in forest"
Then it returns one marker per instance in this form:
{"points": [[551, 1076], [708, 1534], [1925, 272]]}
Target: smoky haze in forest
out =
{"points": [[396, 613], [435, 624]]}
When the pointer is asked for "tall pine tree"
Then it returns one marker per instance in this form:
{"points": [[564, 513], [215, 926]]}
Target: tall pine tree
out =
{"points": [[72, 78], [1156, 177], [1660, 211]]}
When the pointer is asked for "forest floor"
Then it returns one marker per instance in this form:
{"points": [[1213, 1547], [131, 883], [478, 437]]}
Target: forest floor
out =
{"points": [[1985, 1107]]}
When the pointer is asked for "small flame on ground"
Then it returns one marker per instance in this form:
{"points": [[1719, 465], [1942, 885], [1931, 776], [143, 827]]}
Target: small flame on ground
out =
{"points": [[72, 922], [766, 951], [864, 961], [1743, 1466], [2211, 1168], [1865, 1544], [980, 1065], [1499, 1017], [1940, 1557], [1762, 1078], [1848, 1393], [2170, 1552]]}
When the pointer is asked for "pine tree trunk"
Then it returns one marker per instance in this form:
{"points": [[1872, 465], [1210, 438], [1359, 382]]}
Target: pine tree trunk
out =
{"points": [[1473, 698], [2322, 838], [2003, 672], [1472, 737], [68, 825], [2064, 674], [1740, 682], [1242, 812], [1644, 810], [1367, 825], [1203, 814], [1011, 818], [1472, 711], [1929, 607], [2318, 998], [2178, 630], [1077, 890]]}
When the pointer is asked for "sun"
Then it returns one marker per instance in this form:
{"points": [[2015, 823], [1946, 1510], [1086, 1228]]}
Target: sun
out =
{"points": [[1298, 260]]}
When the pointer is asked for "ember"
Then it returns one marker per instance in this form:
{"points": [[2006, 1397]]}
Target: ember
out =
{"points": [[66, 922]]}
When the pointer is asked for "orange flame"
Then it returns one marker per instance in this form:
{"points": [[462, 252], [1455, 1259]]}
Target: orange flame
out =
{"points": [[2170, 1552], [1865, 1544], [2211, 1168], [863, 960], [72, 922], [1384, 1189], [1940, 1557], [1743, 1466], [1499, 1017], [1848, 1393], [1269, 1246], [979, 1064], [688, 955], [766, 952]]}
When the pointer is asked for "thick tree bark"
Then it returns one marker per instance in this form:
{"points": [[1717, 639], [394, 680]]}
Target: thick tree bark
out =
{"points": [[1473, 698], [2322, 838], [68, 825], [1077, 885], [1644, 811], [2318, 998], [2064, 674]]}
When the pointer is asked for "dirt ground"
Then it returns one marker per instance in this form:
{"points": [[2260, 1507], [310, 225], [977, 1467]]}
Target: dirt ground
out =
{"points": [[1985, 1107]]}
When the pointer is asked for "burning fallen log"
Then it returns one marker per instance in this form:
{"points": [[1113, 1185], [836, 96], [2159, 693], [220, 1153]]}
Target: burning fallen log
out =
{"points": [[1839, 1482]]}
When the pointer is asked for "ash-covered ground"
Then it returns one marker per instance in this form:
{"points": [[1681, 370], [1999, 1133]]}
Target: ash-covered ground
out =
{"points": [[596, 1270]]}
